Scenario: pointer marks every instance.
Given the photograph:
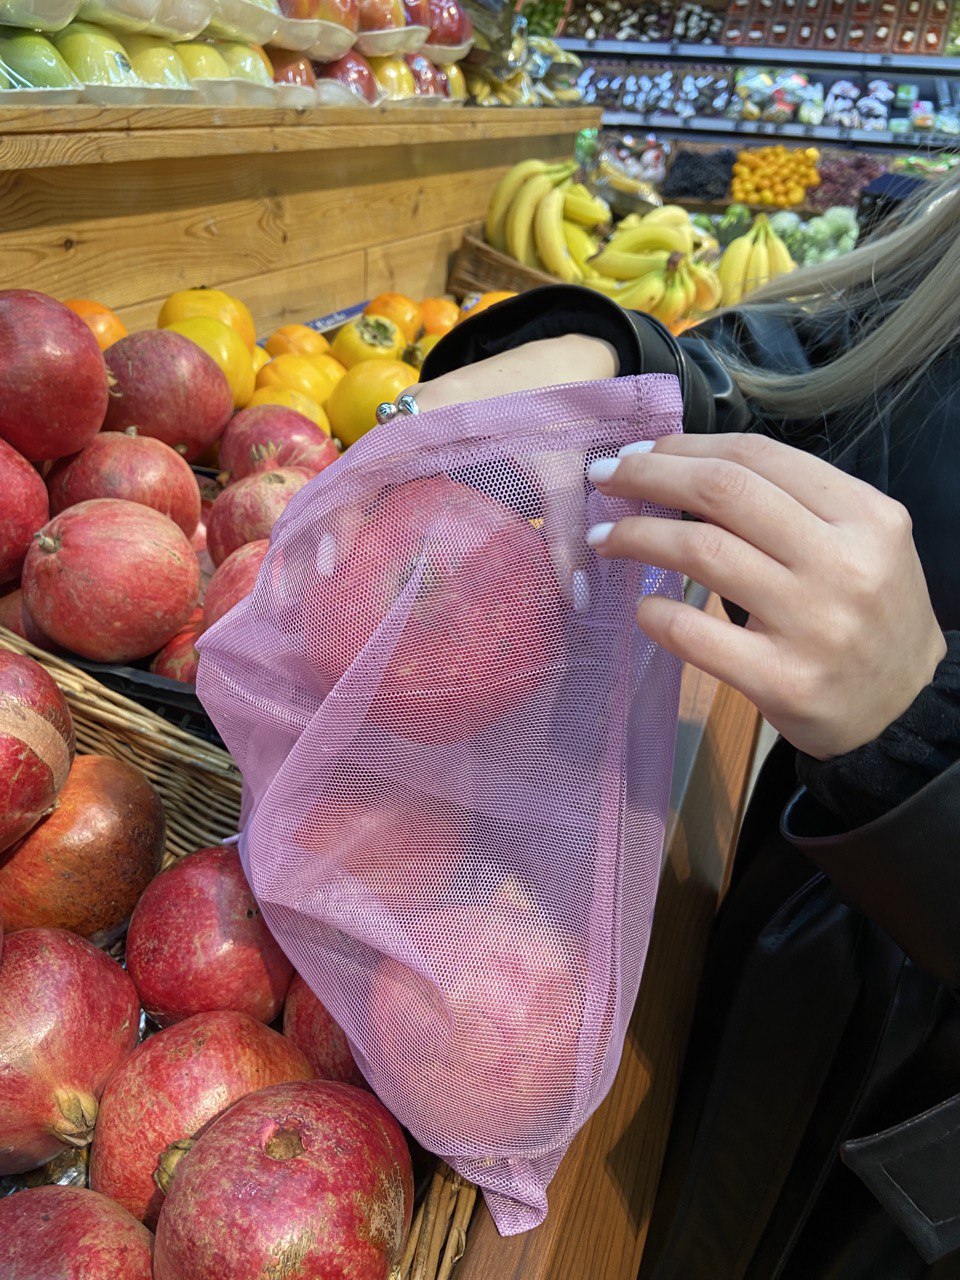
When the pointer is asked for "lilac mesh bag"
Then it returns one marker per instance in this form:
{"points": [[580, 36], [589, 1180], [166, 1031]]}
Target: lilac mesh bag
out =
{"points": [[455, 780]]}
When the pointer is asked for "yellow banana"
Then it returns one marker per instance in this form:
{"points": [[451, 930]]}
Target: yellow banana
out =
{"points": [[707, 292], [619, 265], [672, 306], [581, 206], [549, 239], [625, 224], [609, 288], [780, 261], [732, 269], [504, 193], [645, 294], [582, 245], [650, 236], [689, 286], [672, 214], [518, 225], [758, 264]]}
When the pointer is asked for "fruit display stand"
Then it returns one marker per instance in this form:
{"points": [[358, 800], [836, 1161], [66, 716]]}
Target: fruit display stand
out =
{"points": [[298, 212]]}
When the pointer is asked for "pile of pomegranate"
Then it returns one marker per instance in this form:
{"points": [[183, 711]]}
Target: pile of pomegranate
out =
{"points": [[202, 1142], [109, 542]]}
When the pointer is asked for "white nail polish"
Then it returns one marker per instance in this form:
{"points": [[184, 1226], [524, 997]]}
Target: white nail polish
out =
{"points": [[638, 446], [599, 533], [326, 560], [602, 470], [580, 590]]}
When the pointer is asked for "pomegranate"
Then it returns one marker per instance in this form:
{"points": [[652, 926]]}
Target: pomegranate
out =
{"points": [[36, 745], [168, 388], [209, 492], [124, 464], [85, 865], [53, 381], [14, 616], [111, 580], [247, 1199], [69, 1015], [308, 1025], [269, 436], [478, 639], [69, 1233], [233, 580], [248, 510], [485, 1046], [197, 942], [172, 1087], [24, 510], [178, 659]]}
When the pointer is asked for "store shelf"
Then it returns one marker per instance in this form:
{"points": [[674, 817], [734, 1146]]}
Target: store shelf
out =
{"points": [[668, 50], [54, 137], [710, 126]]}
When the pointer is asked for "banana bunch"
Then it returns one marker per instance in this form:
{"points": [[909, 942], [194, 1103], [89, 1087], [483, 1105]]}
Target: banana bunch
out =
{"points": [[544, 220], [752, 260], [650, 264]]}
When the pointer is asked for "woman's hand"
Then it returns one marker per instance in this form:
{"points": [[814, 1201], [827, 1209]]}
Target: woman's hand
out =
{"points": [[842, 635]]}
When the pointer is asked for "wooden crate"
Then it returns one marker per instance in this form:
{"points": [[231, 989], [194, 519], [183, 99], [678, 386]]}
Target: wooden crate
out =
{"points": [[478, 268]]}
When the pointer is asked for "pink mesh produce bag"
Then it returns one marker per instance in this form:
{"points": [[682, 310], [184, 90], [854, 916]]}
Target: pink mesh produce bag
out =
{"points": [[457, 766]]}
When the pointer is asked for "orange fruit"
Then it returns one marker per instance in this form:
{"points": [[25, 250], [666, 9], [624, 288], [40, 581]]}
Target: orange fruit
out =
{"points": [[291, 399], [260, 358], [474, 304], [296, 372], [296, 340], [105, 325], [224, 345], [403, 311], [331, 370], [353, 405], [187, 303], [439, 315]]}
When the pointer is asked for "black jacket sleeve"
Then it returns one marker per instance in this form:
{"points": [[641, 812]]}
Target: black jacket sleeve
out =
{"points": [[876, 817]]}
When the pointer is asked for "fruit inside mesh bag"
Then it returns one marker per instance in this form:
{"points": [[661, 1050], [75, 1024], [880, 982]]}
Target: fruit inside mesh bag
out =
{"points": [[456, 782]]}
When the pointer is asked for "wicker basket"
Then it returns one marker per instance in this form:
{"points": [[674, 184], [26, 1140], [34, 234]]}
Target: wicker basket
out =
{"points": [[200, 788], [198, 783], [479, 269]]}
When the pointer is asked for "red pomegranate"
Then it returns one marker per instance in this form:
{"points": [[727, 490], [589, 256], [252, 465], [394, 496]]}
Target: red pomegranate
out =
{"points": [[245, 1200], [85, 865], [197, 942], [36, 745], [69, 1015], [248, 510], [172, 1087], [308, 1025], [178, 659], [53, 381], [268, 436], [111, 580], [69, 1233], [125, 464], [169, 388], [14, 616], [23, 512], [480, 633], [233, 580], [484, 1046]]}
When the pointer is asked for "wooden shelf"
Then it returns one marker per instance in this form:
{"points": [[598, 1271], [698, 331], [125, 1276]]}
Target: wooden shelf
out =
{"points": [[56, 137]]}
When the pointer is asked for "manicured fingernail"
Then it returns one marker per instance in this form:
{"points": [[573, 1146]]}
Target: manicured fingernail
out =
{"points": [[231, 840], [326, 555], [638, 446], [580, 590], [599, 533], [602, 470]]}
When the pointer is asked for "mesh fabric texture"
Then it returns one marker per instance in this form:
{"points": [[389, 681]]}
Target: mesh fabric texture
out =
{"points": [[455, 783]]}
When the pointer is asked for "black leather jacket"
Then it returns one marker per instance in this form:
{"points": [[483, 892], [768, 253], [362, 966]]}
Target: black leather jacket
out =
{"points": [[817, 1130]]}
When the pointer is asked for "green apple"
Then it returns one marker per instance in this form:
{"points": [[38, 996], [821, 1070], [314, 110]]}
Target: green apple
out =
{"points": [[33, 59], [95, 55], [155, 61], [202, 61], [244, 61]]}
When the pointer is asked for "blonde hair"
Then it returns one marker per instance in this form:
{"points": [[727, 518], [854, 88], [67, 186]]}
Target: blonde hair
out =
{"points": [[899, 295]]}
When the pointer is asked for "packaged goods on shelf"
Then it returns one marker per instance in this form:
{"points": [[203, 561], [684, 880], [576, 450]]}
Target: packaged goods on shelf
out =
{"points": [[648, 20]]}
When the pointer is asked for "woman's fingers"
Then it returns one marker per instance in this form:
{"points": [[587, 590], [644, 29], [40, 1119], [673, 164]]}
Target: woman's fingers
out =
{"points": [[724, 493], [707, 553], [732, 654]]}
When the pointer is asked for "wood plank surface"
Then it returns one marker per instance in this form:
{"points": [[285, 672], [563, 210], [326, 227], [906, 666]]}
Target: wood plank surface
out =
{"points": [[602, 1196]]}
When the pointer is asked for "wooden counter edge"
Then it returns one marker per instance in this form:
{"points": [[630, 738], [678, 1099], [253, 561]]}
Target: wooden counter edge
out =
{"points": [[602, 1196]]}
